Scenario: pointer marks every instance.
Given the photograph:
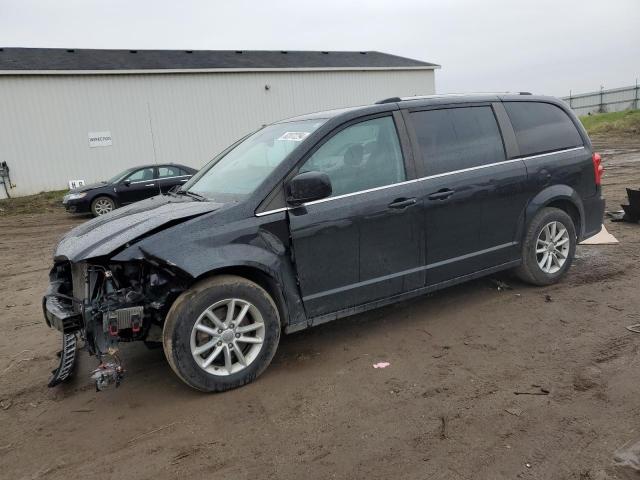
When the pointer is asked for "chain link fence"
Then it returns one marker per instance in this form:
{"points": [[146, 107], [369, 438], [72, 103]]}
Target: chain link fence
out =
{"points": [[612, 100]]}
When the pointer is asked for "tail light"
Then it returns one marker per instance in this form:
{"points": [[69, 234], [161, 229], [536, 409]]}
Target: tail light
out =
{"points": [[598, 169]]}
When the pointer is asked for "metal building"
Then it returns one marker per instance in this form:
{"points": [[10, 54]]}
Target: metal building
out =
{"points": [[88, 114]]}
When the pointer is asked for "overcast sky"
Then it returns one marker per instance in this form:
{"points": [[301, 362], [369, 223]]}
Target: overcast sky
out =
{"points": [[543, 46]]}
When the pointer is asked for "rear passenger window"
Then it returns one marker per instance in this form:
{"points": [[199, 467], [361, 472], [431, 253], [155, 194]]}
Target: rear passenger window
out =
{"points": [[458, 138], [541, 127], [169, 171]]}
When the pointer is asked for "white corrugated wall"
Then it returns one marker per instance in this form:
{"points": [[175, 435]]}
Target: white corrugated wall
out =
{"points": [[182, 117]]}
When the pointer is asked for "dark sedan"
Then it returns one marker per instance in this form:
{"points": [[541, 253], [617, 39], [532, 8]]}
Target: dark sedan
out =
{"points": [[134, 184]]}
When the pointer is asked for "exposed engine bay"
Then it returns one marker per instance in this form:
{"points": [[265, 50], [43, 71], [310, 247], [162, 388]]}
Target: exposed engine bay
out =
{"points": [[105, 304]]}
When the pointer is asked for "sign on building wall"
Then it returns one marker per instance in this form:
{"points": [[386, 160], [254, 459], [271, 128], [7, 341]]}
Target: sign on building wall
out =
{"points": [[100, 139]]}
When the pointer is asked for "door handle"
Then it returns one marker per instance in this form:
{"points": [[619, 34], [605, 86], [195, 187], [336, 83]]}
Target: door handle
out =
{"points": [[442, 194], [150, 185], [400, 203], [184, 180]]}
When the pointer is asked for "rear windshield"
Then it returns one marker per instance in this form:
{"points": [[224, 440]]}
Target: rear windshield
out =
{"points": [[541, 127]]}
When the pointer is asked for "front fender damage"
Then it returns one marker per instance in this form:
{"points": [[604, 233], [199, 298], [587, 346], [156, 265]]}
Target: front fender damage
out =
{"points": [[126, 295]]}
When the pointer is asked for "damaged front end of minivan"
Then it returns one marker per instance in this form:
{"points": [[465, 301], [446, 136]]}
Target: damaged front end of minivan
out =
{"points": [[104, 302]]}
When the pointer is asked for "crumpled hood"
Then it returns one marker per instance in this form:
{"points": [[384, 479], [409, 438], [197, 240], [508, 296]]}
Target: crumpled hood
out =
{"points": [[104, 234]]}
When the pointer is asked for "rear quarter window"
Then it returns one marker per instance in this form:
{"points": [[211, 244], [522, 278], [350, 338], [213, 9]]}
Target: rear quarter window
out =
{"points": [[541, 127]]}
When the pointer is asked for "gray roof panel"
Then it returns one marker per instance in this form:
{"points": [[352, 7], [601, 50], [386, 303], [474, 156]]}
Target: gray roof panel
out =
{"points": [[38, 59]]}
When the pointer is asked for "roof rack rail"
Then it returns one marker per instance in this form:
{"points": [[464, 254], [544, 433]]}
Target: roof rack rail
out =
{"points": [[389, 100], [437, 95]]}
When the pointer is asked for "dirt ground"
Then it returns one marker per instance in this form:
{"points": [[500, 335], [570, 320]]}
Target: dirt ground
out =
{"points": [[444, 409]]}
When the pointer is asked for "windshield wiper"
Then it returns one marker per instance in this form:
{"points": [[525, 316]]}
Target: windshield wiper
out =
{"points": [[197, 196]]}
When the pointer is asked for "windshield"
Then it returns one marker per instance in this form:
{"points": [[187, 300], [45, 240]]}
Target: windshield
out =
{"points": [[120, 176], [249, 163]]}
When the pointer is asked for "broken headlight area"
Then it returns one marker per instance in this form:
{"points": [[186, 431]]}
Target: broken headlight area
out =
{"points": [[105, 304]]}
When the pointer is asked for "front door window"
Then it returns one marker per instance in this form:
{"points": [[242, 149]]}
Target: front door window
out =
{"points": [[360, 157]]}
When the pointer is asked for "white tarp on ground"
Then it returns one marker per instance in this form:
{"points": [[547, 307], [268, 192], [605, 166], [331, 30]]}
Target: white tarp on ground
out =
{"points": [[603, 237]]}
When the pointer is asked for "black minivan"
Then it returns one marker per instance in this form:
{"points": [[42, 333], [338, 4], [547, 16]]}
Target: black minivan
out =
{"points": [[322, 216]]}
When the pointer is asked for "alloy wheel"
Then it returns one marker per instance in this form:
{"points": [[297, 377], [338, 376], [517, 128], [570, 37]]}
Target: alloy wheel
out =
{"points": [[227, 337], [552, 247], [103, 206]]}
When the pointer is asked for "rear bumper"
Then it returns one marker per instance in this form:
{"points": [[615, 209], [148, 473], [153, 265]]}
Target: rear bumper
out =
{"points": [[593, 215], [59, 312]]}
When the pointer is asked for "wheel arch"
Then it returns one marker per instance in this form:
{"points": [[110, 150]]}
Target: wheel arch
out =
{"points": [[102, 194], [562, 197], [199, 257], [261, 277]]}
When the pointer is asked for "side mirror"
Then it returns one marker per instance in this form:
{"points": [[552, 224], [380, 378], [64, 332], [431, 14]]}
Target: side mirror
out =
{"points": [[307, 187], [127, 183]]}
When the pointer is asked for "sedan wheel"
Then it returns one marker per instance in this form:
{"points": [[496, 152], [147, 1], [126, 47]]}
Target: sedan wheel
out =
{"points": [[102, 206]]}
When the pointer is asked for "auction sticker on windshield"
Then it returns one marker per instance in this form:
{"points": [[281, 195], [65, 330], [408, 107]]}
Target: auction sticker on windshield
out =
{"points": [[294, 136]]}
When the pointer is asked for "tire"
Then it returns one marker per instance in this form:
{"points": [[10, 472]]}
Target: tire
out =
{"points": [[531, 270], [182, 337], [102, 205]]}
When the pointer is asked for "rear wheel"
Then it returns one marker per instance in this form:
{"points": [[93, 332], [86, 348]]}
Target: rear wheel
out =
{"points": [[548, 248], [102, 205], [221, 334]]}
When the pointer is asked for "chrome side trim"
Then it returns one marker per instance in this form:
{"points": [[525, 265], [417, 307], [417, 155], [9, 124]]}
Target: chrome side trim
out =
{"points": [[421, 179], [540, 155], [161, 178], [269, 212]]}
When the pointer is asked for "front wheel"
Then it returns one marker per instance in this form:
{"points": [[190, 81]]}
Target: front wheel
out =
{"points": [[548, 248], [102, 206], [222, 333]]}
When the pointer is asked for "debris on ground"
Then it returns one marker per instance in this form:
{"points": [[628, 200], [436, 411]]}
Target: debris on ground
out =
{"points": [[629, 213], [443, 428], [616, 216], [151, 432], [381, 365], [541, 391], [634, 328], [516, 412], [5, 404], [500, 285], [547, 298], [627, 460], [603, 237]]}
